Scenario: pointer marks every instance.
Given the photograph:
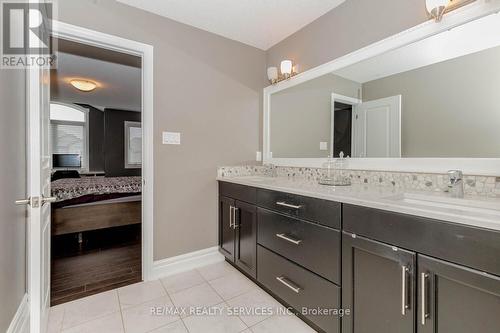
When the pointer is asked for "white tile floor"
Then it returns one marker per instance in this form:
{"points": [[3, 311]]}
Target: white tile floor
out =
{"points": [[218, 288]]}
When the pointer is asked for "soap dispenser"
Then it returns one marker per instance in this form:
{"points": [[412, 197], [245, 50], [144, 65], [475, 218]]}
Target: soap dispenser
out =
{"points": [[334, 172]]}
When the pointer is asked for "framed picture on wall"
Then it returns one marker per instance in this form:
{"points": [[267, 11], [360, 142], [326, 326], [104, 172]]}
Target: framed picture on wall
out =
{"points": [[133, 145]]}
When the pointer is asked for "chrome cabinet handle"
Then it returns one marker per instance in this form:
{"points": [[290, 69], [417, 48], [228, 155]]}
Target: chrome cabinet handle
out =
{"points": [[284, 204], [423, 287], [234, 217], [291, 285], [231, 216], [289, 239], [404, 290]]}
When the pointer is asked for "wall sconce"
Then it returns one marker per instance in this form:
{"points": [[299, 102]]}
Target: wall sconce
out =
{"points": [[437, 8], [287, 70]]}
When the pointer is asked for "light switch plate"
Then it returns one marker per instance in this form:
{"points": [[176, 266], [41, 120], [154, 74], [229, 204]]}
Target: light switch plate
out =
{"points": [[323, 146], [171, 138]]}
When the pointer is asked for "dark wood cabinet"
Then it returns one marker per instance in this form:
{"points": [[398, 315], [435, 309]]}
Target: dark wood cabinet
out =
{"points": [[380, 266], [238, 227], [378, 286], [310, 245], [246, 237], [456, 299], [227, 235], [300, 288]]}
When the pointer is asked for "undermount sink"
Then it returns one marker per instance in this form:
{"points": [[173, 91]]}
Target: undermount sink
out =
{"points": [[449, 204]]}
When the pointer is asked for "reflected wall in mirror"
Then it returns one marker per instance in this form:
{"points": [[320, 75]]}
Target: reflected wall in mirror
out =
{"points": [[438, 97]]}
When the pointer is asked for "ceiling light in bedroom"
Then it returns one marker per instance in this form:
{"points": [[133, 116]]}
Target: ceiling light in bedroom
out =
{"points": [[83, 85]]}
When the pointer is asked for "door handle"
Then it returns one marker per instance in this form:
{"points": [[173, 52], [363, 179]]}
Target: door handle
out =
{"points": [[48, 200], [23, 202], [35, 201]]}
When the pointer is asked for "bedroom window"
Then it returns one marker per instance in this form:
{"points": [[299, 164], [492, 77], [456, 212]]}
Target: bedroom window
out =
{"points": [[69, 131]]}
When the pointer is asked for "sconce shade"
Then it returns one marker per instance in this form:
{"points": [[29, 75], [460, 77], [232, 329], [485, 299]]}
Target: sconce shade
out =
{"points": [[436, 8], [272, 73], [286, 67]]}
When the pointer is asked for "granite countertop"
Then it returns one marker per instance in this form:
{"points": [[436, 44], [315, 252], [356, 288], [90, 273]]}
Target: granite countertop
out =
{"points": [[385, 198]]}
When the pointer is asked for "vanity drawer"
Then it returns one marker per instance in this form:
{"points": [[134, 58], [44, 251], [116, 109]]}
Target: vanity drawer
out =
{"points": [[316, 210], [239, 192], [311, 291], [310, 245], [465, 245]]}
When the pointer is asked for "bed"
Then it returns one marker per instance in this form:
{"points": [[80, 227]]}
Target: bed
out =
{"points": [[92, 203]]}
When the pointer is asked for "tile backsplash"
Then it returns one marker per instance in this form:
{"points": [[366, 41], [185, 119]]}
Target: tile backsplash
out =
{"points": [[474, 185]]}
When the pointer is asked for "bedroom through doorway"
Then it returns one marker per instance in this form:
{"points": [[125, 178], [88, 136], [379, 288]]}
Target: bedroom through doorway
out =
{"points": [[95, 140]]}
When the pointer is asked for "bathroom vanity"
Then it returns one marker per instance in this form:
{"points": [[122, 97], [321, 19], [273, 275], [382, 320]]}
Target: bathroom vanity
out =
{"points": [[393, 249], [392, 264]]}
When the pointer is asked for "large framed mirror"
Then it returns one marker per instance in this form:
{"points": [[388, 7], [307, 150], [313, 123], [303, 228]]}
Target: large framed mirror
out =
{"points": [[429, 97]]}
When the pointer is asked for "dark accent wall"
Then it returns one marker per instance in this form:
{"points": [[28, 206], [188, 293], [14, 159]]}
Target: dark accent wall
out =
{"points": [[114, 142], [96, 138]]}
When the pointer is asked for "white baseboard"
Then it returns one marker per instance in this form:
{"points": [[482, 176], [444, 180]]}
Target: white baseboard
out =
{"points": [[185, 262], [21, 323]]}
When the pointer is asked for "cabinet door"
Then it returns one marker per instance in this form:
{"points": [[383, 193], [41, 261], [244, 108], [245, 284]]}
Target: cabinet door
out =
{"points": [[456, 299], [226, 229], [378, 287], [246, 237]]}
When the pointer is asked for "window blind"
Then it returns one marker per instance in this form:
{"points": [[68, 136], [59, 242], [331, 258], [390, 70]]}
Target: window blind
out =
{"points": [[68, 139]]}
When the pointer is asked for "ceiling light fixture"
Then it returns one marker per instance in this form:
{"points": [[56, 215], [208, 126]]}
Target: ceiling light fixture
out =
{"points": [[287, 69], [83, 85]]}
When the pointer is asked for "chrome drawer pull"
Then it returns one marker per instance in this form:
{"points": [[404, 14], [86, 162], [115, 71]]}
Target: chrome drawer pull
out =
{"points": [[289, 284], [289, 239], [284, 204]]}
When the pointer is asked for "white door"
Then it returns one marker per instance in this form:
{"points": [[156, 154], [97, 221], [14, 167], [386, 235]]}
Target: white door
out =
{"points": [[378, 128], [39, 191]]}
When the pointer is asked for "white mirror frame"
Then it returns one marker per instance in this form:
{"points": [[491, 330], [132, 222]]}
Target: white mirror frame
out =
{"points": [[471, 166]]}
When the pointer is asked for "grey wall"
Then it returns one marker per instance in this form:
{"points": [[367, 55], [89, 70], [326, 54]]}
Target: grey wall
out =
{"points": [[301, 116], [351, 26], [12, 187], [206, 87], [449, 109], [96, 138], [114, 142]]}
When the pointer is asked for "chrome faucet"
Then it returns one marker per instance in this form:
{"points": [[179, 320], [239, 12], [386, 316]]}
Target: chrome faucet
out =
{"points": [[456, 185]]}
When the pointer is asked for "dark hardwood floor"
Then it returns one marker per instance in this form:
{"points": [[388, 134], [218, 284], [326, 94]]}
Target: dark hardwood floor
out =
{"points": [[105, 260]]}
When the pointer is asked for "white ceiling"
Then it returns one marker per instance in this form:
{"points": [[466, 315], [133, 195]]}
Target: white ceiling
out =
{"points": [[466, 39], [259, 23], [119, 85]]}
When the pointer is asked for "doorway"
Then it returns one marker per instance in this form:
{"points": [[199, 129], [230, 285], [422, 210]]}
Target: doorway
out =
{"points": [[40, 164], [95, 149]]}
